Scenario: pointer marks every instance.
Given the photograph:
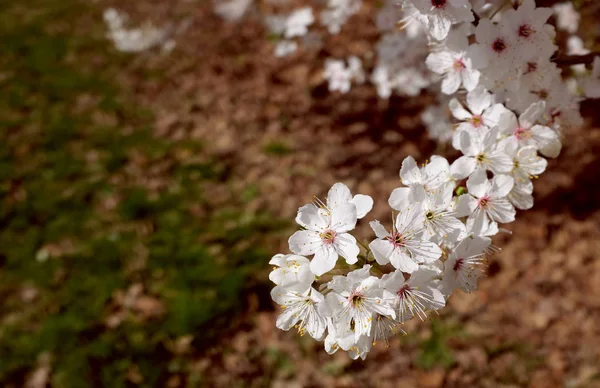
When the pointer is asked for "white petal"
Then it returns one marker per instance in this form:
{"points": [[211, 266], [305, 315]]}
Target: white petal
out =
{"points": [[463, 167], [501, 185], [343, 217], [451, 82], [305, 242], [478, 100], [324, 260], [339, 194], [531, 114], [439, 62], [552, 150], [458, 110], [424, 251], [399, 199], [402, 261], [410, 172], [478, 184], [379, 230], [466, 205], [439, 26], [382, 250], [499, 162], [363, 204], [310, 218], [470, 78], [346, 246]]}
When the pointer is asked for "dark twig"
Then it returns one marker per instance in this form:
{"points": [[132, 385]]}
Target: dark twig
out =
{"points": [[569, 60]]}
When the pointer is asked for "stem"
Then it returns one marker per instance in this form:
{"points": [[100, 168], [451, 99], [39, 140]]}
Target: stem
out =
{"points": [[569, 60]]}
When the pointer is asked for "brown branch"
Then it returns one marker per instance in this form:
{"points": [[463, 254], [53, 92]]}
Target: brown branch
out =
{"points": [[569, 60]]}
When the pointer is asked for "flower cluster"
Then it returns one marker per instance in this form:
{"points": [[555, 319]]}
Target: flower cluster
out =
{"points": [[506, 119], [136, 40]]}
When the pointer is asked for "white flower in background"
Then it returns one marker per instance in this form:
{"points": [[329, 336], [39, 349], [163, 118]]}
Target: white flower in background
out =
{"points": [[285, 48], [527, 25], [465, 265], [537, 78], [487, 198], [135, 40], [404, 246], [481, 114], [300, 310], [436, 120], [480, 151], [527, 163], [338, 12], [298, 21], [232, 10], [338, 76], [567, 18], [452, 62], [293, 271], [442, 14], [456, 69], [341, 77], [591, 85], [527, 133], [388, 16], [575, 46], [495, 50], [352, 303], [415, 296], [326, 236]]}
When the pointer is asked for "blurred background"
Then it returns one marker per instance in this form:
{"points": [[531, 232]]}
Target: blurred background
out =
{"points": [[142, 196]]}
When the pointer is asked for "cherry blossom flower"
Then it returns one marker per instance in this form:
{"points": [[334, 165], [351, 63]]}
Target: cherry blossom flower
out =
{"points": [[293, 271], [480, 151], [404, 247], [300, 310], [527, 25], [481, 113], [298, 21], [465, 265], [526, 162], [354, 300], [567, 18], [528, 133], [442, 14], [452, 62], [415, 296], [487, 198], [326, 236]]}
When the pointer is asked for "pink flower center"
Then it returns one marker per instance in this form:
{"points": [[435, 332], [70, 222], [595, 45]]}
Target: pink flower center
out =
{"points": [[328, 236], [403, 292], [522, 133], [531, 67], [525, 31], [459, 65], [483, 202], [438, 3], [458, 264], [499, 45], [476, 121], [397, 239], [355, 298]]}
